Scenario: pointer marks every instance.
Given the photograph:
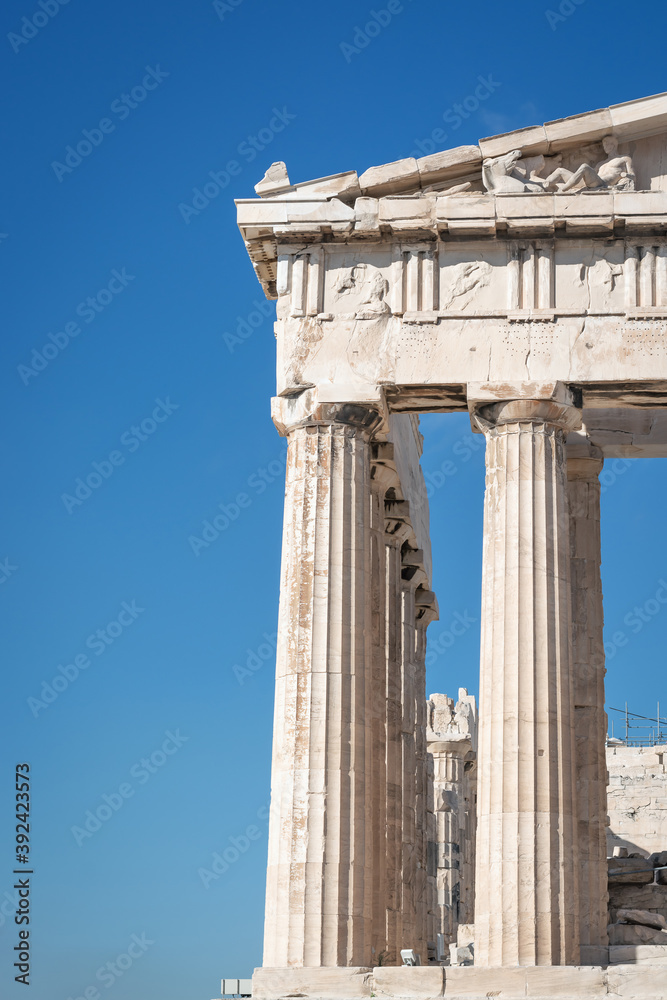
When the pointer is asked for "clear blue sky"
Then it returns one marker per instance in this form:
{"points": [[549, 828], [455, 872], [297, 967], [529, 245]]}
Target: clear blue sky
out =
{"points": [[149, 352]]}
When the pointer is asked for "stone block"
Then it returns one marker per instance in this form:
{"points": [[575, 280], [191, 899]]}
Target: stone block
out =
{"points": [[319, 211], [587, 128], [645, 917], [640, 202], [637, 982], [341, 983], [530, 141], [594, 954], [421, 210], [565, 981], [639, 954], [274, 180], [366, 214], [448, 163], [408, 981], [524, 206], [595, 203], [461, 954], [470, 206], [391, 178], [620, 934], [344, 186], [505, 984], [629, 870]]}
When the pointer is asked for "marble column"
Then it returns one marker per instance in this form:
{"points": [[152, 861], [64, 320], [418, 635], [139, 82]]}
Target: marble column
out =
{"points": [[526, 878], [408, 768], [394, 760], [319, 905], [584, 464], [381, 480], [423, 804]]}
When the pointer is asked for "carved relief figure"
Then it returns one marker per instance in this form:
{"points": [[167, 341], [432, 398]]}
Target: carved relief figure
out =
{"points": [[369, 281], [613, 172], [498, 174], [598, 276], [464, 278], [512, 174]]}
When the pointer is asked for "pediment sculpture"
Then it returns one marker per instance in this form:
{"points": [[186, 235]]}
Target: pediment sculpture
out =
{"points": [[512, 174]]}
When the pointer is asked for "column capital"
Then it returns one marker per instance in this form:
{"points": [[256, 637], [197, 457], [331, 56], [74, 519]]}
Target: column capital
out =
{"points": [[584, 459], [494, 404], [308, 409]]}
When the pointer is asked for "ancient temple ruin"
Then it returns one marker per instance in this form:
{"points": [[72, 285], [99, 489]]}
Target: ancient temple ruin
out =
{"points": [[523, 280]]}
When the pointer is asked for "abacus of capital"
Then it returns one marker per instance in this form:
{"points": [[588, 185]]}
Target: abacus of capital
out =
{"points": [[525, 281]]}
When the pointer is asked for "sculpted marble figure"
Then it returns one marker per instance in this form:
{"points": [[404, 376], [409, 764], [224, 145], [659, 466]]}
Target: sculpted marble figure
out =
{"points": [[510, 174], [614, 171]]}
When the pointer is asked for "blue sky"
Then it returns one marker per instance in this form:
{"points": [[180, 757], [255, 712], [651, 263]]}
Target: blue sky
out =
{"points": [[132, 295]]}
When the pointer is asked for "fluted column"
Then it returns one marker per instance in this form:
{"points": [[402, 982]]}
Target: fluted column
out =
{"points": [[423, 804], [526, 893], [379, 714], [320, 874], [409, 769], [584, 464], [394, 766]]}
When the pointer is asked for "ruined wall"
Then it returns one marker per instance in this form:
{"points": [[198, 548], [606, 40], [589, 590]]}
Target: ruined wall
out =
{"points": [[637, 798]]}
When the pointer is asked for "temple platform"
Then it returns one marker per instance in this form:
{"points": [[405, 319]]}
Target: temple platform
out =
{"points": [[638, 980]]}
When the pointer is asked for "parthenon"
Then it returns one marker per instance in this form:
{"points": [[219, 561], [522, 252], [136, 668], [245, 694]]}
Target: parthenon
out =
{"points": [[523, 280]]}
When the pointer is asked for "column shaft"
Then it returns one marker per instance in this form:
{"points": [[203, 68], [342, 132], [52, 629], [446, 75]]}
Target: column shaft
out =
{"points": [[394, 795], [590, 717], [409, 769], [319, 898], [379, 722], [423, 805], [526, 898]]}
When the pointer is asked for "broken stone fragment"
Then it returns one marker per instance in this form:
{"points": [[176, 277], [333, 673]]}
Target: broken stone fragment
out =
{"points": [[635, 934], [275, 179], [645, 917], [633, 870]]}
